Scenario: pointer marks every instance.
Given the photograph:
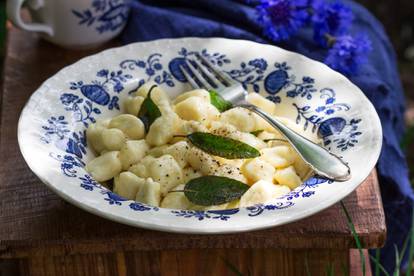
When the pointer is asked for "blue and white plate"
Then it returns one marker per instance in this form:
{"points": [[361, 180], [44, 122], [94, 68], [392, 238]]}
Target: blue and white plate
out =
{"points": [[52, 126]]}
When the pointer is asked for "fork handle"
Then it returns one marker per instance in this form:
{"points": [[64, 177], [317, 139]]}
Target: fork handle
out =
{"points": [[323, 162]]}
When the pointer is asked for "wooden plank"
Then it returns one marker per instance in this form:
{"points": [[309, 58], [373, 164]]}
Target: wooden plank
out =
{"points": [[36, 222], [193, 262], [9, 267], [88, 265], [355, 264]]}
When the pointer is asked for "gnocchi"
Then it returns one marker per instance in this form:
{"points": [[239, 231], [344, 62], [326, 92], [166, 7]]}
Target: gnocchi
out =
{"points": [[94, 135], [127, 184], [179, 151], [288, 177], [262, 103], [148, 166], [133, 105], [230, 171], [279, 156], [105, 167], [162, 130], [202, 161], [200, 93], [242, 119], [195, 109], [113, 139], [166, 171], [132, 152], [157, 94], [129, 124], [149, 193], [257, 169], [176, 200], [262, 191]]}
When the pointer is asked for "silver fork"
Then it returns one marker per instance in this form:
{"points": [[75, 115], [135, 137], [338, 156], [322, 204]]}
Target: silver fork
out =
{"points": [[203, 74]]}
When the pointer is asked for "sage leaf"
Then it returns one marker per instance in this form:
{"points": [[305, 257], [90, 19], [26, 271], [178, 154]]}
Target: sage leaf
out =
{"points": [[149, 111], [214, 190], [256, 132], [217, 100], [222, 146]]}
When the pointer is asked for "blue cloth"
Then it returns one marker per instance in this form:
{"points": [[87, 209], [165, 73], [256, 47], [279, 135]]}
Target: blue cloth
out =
{"points": [[378, 79]]}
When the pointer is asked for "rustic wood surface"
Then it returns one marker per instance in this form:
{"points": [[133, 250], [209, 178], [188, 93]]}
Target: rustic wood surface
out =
{"points": [[34, 222], [196, 262]]}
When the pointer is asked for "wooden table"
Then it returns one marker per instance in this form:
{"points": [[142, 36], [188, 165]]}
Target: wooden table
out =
{"points": [[40, 234]]}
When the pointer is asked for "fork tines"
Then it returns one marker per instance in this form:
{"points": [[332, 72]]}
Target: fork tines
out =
{"points": [[201, 73]]}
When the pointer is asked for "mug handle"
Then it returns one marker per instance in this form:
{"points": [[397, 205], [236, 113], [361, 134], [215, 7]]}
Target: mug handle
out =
{"points": [[13, 13]]}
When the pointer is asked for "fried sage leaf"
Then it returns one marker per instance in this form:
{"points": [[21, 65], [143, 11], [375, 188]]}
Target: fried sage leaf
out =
{"points": [[149, 111], [222, 146], [214, 190], [217, 100]]}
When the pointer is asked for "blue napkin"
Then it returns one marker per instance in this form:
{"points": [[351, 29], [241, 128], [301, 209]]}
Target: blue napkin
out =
{"points": [[378, 79]]}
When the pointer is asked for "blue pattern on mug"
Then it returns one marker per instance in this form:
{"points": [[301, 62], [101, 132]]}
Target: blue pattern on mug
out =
{"points": [[104, 15]]}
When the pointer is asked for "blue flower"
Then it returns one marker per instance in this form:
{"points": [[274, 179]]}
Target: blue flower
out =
{"points": [[67, 98], [114, 198], [330, 18], [291, 94], [258, 63], [56, 126], [308, 194], [87, 187], [88, 183], [76, 145], [282, 18], [157, 66], [118, 87], [348, 53], [150, 71], [141, 64], [68, 163], [308, 80], [139, 206], [320, 109], [282, 66], [102, 73], [275, 99]]}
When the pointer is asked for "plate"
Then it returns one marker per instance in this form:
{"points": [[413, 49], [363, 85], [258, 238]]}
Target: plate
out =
{"points": [[51, 131]]}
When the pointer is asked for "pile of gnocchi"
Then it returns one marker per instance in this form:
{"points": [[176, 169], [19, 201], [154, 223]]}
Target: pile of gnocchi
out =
{"points": [[147, 165]]}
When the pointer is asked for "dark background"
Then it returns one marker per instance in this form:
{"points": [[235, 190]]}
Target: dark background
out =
{"points": [[397, 16]]}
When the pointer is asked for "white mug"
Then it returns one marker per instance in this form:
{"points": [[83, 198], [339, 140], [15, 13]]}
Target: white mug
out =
{"points": [[72, 23]]}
